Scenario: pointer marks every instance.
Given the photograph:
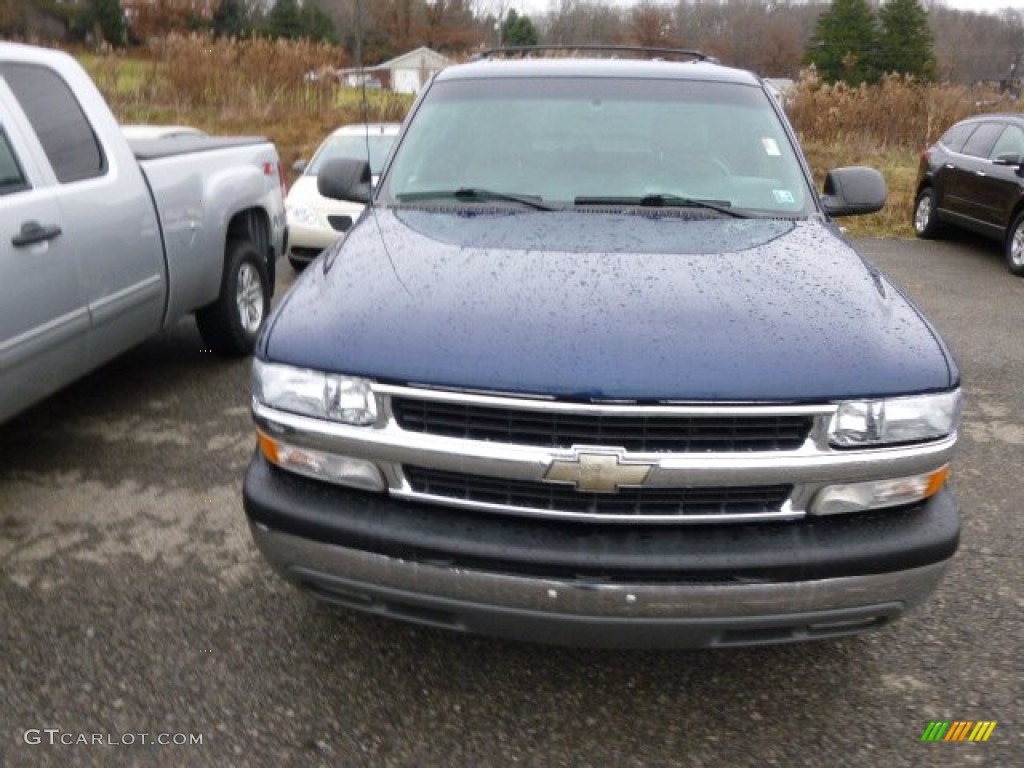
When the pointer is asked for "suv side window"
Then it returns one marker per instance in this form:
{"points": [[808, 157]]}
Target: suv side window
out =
{"points": [[983, 139], [1010, 143], [954, 138], [12, 177], [64, 131]]}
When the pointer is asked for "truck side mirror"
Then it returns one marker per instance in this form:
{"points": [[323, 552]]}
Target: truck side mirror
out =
{"points": [[853, 191], [345, 178]]}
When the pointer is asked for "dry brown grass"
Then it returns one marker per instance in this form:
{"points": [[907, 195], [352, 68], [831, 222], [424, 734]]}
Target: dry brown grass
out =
{"points": [[255, 86]]}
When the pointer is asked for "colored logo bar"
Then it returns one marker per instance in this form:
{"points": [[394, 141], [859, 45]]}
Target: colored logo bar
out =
{"points": [[959, 730]]}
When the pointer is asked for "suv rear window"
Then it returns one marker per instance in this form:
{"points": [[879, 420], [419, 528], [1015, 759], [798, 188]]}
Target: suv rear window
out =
{"points": [[954, 138], [559, 139]]}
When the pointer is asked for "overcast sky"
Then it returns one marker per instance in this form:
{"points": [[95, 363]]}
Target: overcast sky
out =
{"points": [[539, 6]]}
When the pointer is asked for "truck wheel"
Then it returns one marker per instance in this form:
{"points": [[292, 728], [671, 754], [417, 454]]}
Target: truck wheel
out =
{"points": [[1015, 246], [297, 264], [231, 324], [925, 223]]}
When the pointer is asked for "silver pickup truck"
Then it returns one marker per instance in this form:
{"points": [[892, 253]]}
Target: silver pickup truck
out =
{"points": [[104, 242]]}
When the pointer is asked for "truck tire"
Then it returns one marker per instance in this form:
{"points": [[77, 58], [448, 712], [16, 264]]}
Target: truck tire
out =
{"points": [[230, 325]]}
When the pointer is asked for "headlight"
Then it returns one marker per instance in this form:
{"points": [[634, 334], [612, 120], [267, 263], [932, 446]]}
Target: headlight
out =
{"points": [[867, 423], [345, 399], [878, 494], [334, 468], [300, 214]]}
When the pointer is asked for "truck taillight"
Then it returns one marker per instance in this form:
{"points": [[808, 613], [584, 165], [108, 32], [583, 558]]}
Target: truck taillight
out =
{"points": [[283, 178], [269, 169]]}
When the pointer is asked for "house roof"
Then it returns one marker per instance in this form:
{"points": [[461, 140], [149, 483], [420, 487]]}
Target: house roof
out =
{"points": [[431, 58], [415, 58]]}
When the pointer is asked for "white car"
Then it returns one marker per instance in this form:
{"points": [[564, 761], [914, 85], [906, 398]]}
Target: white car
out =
{"points": [[315, 222]]}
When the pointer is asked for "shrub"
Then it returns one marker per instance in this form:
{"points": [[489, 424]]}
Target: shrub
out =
{"points": [[898, 113]]}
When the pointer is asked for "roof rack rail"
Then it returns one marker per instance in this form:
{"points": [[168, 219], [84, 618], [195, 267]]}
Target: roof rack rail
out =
{"points": [[528, 49]]}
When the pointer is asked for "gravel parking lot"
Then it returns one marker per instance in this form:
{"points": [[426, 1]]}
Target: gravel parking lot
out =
{"points": [[134, 608]]}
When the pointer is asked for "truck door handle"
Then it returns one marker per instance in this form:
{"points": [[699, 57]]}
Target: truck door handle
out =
{"points": [[34, 232]]}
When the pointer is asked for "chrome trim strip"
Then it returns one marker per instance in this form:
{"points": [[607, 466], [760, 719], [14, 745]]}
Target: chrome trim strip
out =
{"points": [[296, 559], [785, 513], [607, 409], [118, 303], [43, 337]]}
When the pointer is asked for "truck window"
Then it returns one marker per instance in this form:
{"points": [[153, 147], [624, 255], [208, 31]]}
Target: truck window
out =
{"points": [[12, 178], [64, 131]]}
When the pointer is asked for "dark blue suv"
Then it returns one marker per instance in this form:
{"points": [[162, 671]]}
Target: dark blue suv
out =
{"points": [[596, 367]]}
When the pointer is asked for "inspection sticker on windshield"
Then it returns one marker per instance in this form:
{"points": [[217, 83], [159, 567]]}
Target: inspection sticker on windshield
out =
{"points": [[771, 146], [783, 196]]}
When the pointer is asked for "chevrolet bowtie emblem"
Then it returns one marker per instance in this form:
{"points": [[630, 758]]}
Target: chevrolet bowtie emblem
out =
{"points": [[597, 472]]}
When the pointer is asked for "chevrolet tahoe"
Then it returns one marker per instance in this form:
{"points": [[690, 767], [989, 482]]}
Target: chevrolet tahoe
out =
{"points": [[597, 367]]}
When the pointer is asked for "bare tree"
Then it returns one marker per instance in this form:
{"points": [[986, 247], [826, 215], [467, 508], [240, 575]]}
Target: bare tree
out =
{"points": [[580, 22], [650, 24]]}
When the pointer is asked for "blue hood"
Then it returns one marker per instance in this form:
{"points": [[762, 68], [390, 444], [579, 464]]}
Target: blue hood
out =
{"points": [[607, 305]]}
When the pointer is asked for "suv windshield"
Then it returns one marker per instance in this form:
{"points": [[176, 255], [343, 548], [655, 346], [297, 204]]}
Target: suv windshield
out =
{"points": [[600, 141]]}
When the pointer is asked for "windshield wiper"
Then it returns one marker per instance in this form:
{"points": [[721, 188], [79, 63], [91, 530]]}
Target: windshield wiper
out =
{"points": [[662, 200], [477, 194]]}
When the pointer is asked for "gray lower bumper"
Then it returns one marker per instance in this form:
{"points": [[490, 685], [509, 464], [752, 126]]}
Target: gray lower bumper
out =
{"points": [[581, 613]]}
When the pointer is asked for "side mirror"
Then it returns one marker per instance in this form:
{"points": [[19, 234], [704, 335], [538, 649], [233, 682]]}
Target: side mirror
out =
{"points": [[299, 166], [1009, 158], [853, 191], [345, 178]]}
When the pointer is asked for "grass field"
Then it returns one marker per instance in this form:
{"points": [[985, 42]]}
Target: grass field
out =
{"points": [[261, 87], [238, 87]]}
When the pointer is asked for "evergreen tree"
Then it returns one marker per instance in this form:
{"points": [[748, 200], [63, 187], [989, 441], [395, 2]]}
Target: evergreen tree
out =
{"points": [[845, 43], [231, 19], [906, 40], [518, 30], [285, 20], [317, 25], [108, 16]]}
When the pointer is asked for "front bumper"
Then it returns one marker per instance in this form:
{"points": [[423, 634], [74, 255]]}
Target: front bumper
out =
{"points": [[577, 584], [312, 237]]}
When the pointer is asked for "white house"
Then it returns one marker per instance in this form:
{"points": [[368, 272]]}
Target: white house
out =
{"points": [[404, 74]]}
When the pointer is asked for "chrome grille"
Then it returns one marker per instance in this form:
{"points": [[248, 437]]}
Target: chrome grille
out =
{"points": [[685, 503], [721, 433]]}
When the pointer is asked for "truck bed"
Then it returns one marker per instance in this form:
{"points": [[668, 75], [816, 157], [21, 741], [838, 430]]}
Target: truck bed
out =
{"points": [[170, 146]]}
